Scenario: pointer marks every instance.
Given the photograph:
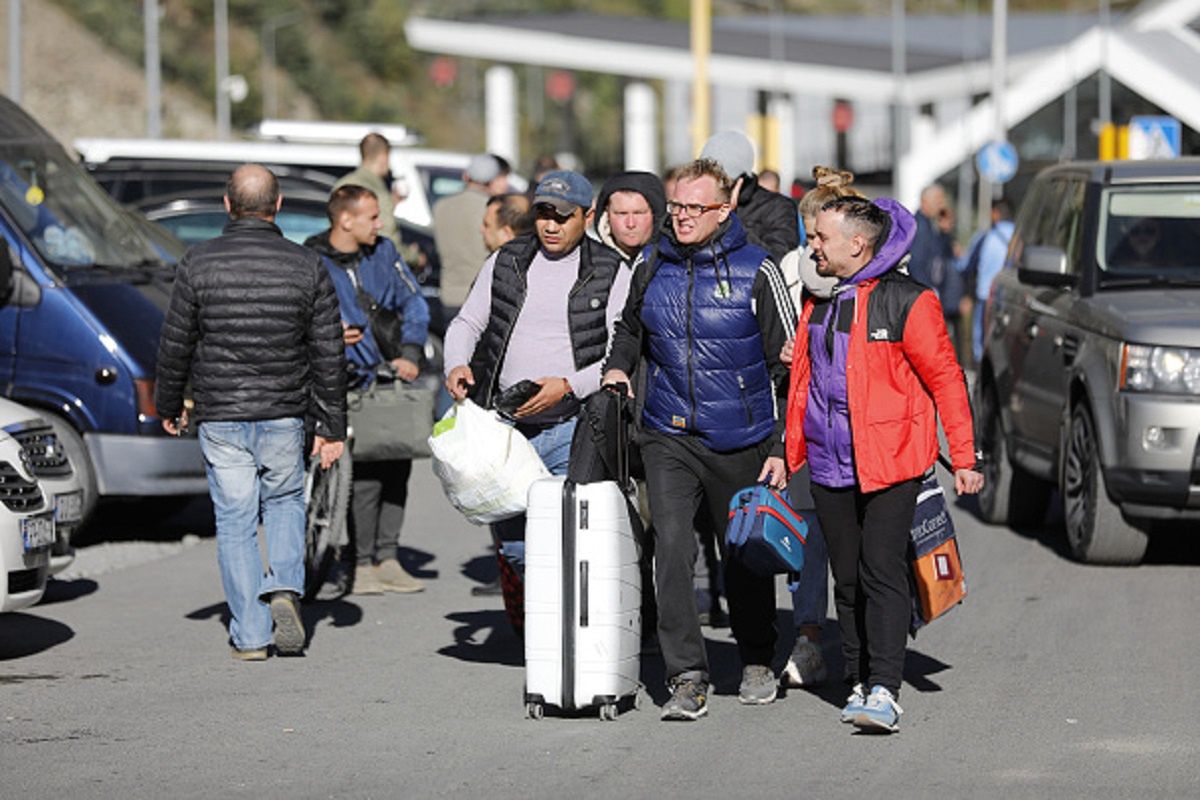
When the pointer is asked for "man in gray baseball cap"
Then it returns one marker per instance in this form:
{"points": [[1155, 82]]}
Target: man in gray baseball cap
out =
{"points": [[539, 317]]}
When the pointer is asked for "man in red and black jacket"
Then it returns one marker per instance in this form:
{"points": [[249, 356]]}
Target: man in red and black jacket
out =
{"points": [[873, 368]]}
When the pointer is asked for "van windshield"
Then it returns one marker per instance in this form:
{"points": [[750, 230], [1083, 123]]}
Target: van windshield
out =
{"points": [[1150, 235], [68, 218]]}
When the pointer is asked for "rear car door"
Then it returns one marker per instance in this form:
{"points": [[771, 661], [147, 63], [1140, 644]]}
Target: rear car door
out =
{"points": [[1049, 334]]}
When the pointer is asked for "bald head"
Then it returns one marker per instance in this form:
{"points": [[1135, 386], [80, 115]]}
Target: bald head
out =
{"points": [[933, 199], [252, 191]]}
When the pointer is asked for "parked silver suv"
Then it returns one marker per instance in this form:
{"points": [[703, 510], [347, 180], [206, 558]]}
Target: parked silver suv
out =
{"points": [[1090, 378]]}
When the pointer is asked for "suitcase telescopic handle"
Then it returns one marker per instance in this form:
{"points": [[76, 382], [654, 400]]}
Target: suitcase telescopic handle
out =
{"points": [[621, 392]]}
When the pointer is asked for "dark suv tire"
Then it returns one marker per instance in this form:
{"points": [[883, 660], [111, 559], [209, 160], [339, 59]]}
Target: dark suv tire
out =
{"points": [[1010, 495], [1097, 531]]}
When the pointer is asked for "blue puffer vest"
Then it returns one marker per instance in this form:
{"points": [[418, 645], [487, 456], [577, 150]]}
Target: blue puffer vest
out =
{"points": [[707, 373]]}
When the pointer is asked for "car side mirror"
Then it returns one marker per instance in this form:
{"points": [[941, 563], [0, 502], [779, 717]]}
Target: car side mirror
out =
{"points": [[1044, 266]]}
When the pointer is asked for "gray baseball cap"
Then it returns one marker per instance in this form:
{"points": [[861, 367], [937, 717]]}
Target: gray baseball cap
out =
{"points": [[564, 190]]}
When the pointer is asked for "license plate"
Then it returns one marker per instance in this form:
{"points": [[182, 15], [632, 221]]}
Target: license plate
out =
{"points": [[37, 532], [68, 508]]}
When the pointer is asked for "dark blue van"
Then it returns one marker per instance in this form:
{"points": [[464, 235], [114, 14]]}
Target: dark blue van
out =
{"points": [[79, 327]]}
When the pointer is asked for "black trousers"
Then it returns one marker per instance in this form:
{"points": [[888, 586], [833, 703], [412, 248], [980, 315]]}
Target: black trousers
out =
{"points": [[682, 474], [868, 535]]}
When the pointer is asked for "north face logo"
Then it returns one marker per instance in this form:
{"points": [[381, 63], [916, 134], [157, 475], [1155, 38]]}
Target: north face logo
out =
{"points": [[879, 335]]}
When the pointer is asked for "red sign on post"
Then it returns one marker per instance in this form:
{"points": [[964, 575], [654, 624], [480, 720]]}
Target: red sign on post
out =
{"points": [[560, 86], [843, 116], [443, 71]]}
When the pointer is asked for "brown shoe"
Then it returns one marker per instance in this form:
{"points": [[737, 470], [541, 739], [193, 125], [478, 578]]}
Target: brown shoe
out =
{"points": [[366, 580], [257, 654], [394, 578]]}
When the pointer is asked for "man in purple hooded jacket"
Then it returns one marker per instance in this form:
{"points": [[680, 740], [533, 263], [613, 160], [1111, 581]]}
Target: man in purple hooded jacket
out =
{"points": [[870, 364]]}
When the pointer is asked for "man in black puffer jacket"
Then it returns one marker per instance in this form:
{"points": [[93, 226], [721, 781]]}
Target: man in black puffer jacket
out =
{"points": [[254, 326], [770, 219]]}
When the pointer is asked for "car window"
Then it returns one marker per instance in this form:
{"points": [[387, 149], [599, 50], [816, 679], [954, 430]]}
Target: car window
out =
{"points": [[441, 182], [68, 218], [1150, 231], [1067, 231], [195, 227]]}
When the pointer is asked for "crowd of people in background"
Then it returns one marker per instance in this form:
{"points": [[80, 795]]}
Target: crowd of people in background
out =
{"points": [[811, 345]]}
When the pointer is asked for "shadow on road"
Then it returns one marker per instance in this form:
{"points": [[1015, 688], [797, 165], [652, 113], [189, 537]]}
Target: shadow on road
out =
{"points": [[415, 560], [340, 614], [485, 637], [481, 569], [64, 591], [917, 669], [161, 519], [24, 635]]}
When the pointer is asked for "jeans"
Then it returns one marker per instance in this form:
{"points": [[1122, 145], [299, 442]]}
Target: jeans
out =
{"points": [[380, 493], [681, 475], [868, 550], [553, 444], [810, 593], [255, 469]]}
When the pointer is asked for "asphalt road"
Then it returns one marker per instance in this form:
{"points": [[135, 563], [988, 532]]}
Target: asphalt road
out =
{"points": [[1052, 680]]}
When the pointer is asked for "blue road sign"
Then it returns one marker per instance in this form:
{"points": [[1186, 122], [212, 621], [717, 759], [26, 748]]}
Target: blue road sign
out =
{"points": [[997, 162], [1155, 137]]}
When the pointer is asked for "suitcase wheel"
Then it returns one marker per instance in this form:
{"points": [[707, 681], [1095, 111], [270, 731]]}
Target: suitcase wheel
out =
{"points": [[534, 710], [608, 712]]}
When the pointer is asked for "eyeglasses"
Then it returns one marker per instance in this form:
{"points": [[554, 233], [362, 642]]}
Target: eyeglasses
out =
{"points": [[691, 210]]}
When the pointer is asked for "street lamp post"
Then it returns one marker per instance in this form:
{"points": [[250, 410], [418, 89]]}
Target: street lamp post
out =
{"points": [[270, 86], [14, 50], [153, 70], [221, 34]]}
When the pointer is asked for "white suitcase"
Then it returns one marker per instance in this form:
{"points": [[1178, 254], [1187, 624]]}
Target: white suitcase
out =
{"points": [[582, 598]]}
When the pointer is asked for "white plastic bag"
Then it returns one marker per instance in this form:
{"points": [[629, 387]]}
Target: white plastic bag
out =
{"points": [[485, 466]]}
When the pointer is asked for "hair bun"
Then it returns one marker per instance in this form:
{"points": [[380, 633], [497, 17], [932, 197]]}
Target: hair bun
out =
{"points": [[832, 178]]}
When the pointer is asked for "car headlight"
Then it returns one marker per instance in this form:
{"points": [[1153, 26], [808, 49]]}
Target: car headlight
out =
{"points": [[1160, 369]]}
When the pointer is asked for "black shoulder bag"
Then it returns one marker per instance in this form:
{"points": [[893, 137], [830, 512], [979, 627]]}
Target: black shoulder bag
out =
{"points": [[387, 326]]}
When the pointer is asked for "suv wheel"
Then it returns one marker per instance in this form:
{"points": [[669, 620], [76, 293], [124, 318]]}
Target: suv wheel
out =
{"points": [[1010, 495], [1097, 532]]}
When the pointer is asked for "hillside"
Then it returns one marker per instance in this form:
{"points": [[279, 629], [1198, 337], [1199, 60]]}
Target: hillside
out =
{"points": [[75, 85]]}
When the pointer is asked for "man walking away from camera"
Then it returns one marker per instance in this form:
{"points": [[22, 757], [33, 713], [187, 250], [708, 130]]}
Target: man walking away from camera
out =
{"points": [[253, 327]]}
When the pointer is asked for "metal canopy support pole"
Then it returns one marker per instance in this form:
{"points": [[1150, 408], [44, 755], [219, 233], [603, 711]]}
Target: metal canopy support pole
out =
{"points": [[14, 50], [641, 127], [221, 34], [270, 84], [500, 112], [900, 130], [701, 48], [1105, 89], [153, 70], [999, 81]]}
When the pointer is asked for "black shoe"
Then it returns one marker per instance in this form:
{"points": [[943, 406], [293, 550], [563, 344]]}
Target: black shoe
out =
{"points": [[289, 627], [716, 618], [487, 589]]}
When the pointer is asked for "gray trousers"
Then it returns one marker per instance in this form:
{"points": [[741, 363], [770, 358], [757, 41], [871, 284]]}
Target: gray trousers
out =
{"points": [[379, 494]]}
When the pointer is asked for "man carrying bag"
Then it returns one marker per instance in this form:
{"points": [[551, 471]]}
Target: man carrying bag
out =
{"points": [[385, 321]]}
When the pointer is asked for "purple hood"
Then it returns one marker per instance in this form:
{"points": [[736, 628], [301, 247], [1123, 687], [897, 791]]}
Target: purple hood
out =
{"points": [[899, 241]]}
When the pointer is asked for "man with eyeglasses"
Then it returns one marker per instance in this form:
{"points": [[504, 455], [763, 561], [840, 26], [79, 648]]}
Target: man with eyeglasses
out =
{"points": [[541, 310], [710, 313]]}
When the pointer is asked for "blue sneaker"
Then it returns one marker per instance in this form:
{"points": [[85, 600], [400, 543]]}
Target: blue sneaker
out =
{"points": [[881, 714], [854, 703]]}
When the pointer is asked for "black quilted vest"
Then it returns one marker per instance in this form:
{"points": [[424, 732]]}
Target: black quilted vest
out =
{"points": [[588, 302]]}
